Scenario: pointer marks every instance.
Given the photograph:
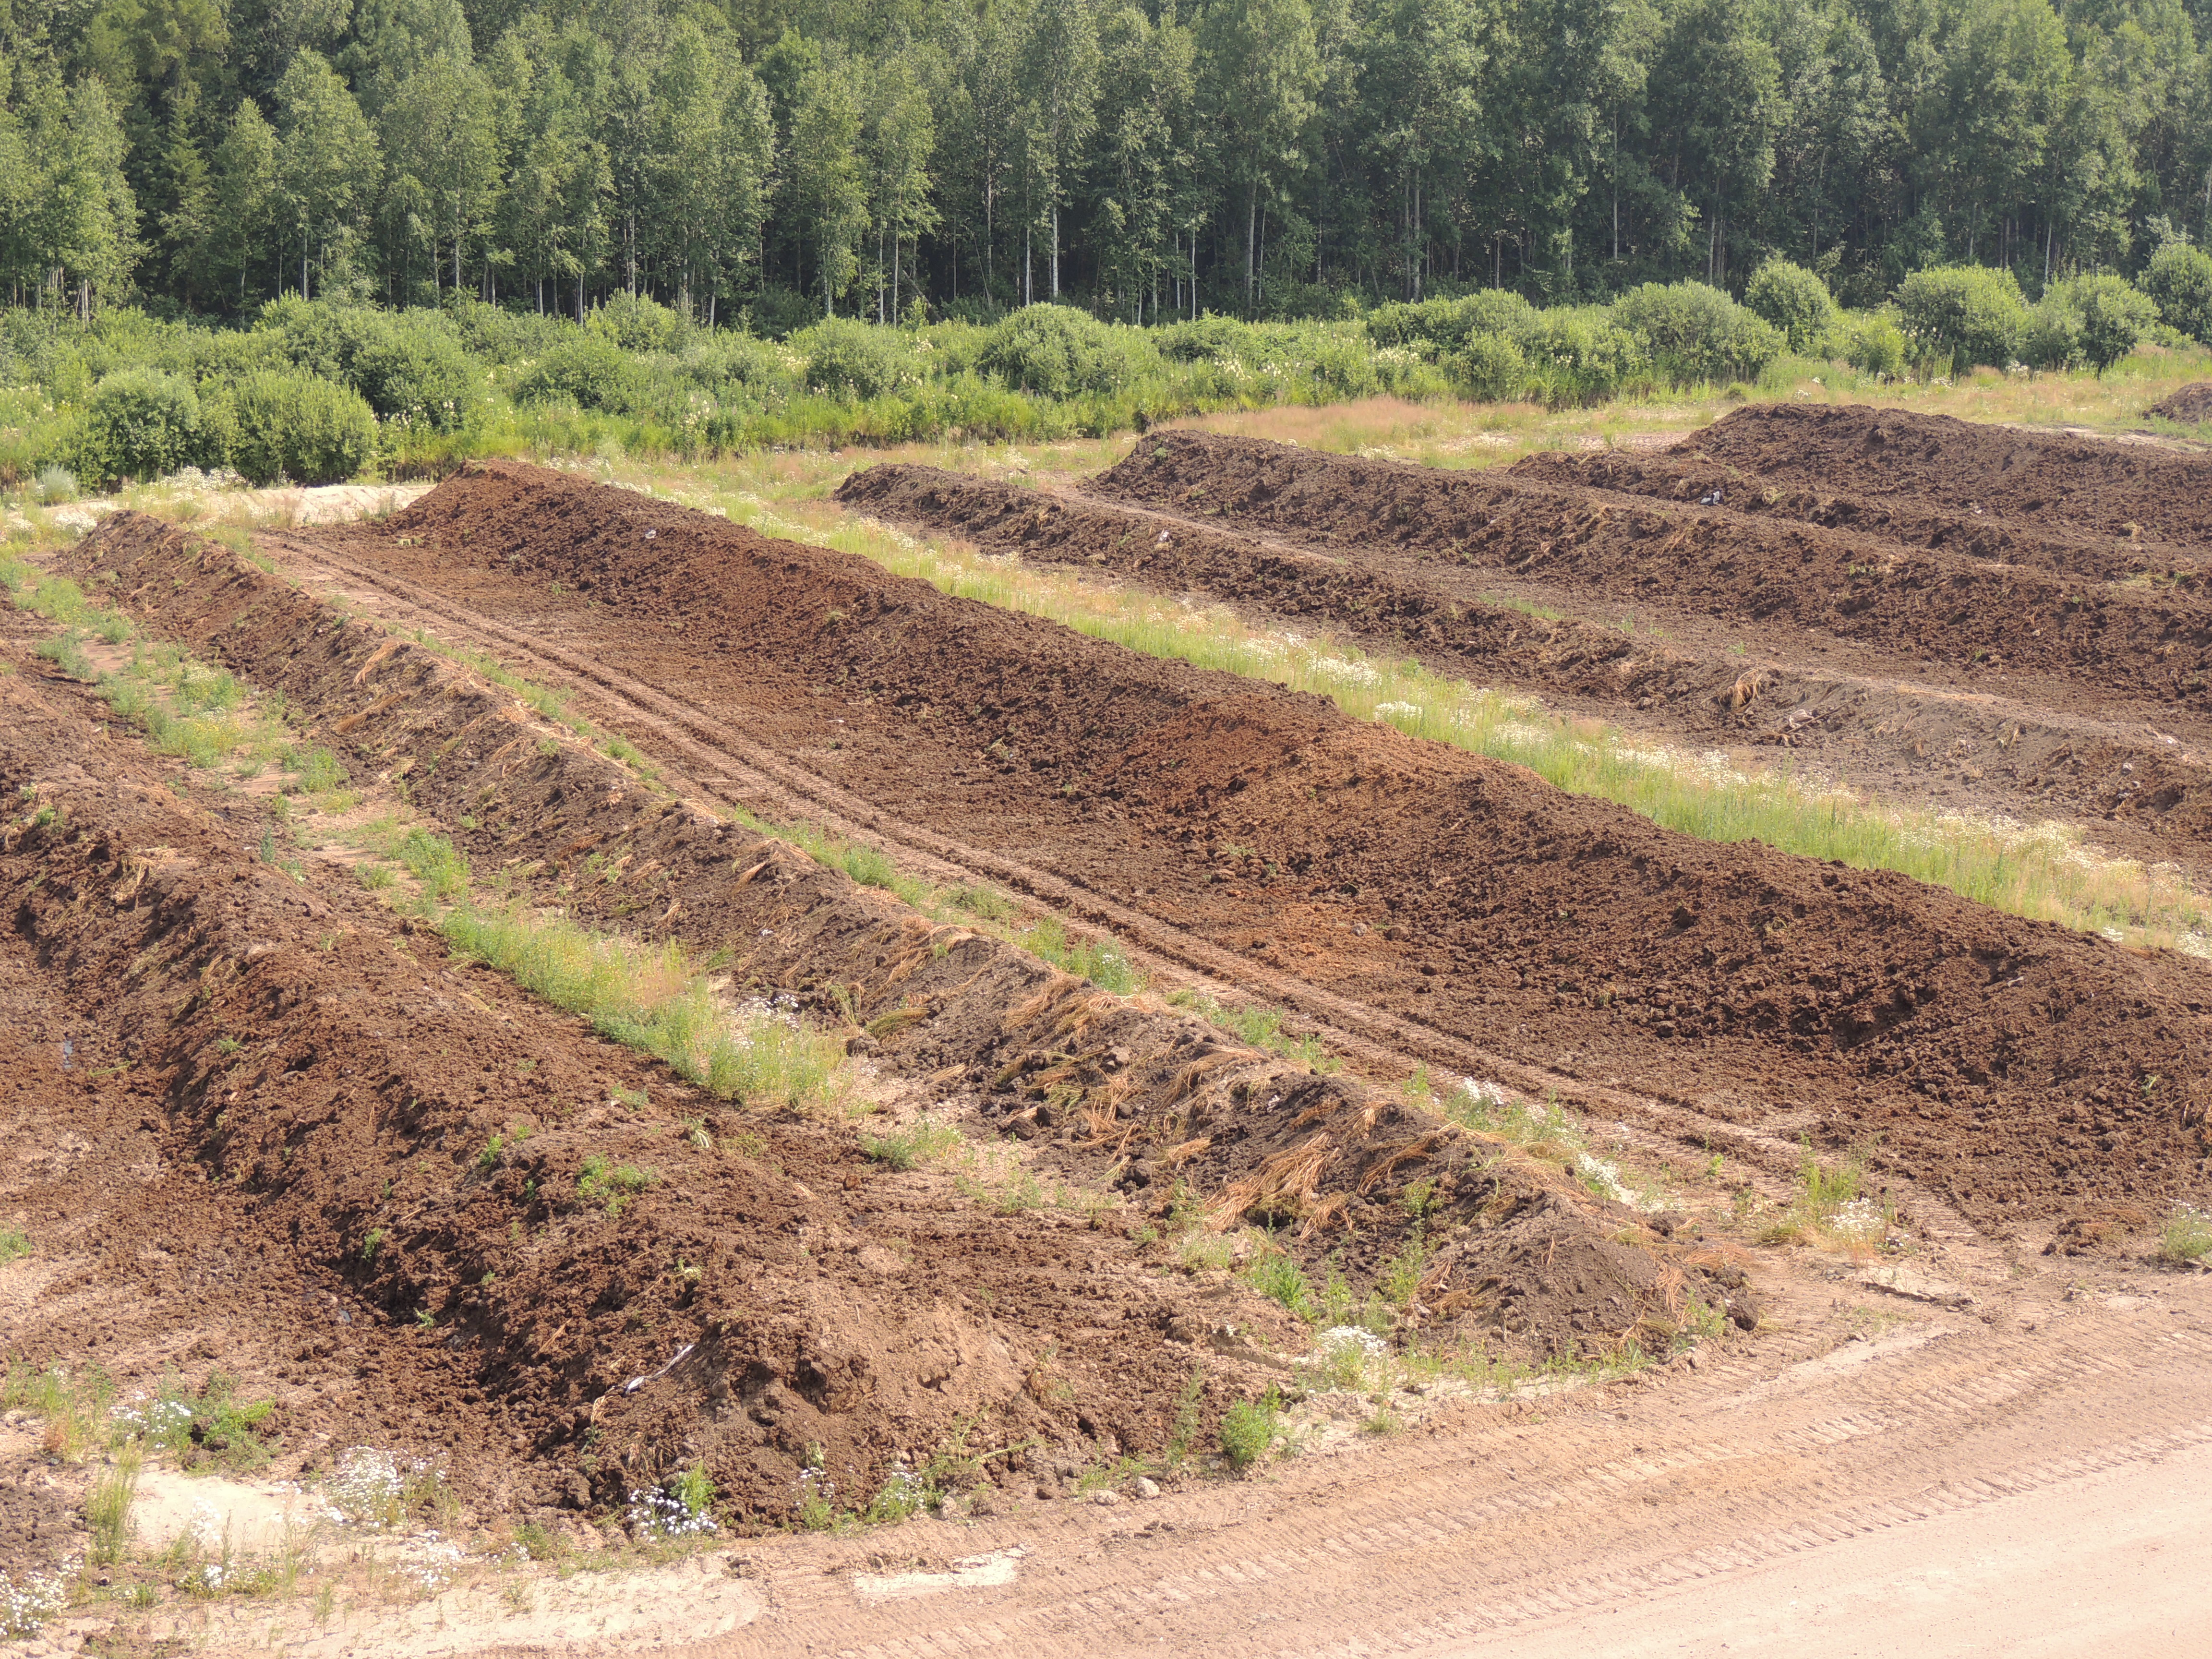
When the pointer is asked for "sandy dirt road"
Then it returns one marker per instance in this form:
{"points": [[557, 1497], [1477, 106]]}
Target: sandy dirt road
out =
{"points": [[2029, 1477]]}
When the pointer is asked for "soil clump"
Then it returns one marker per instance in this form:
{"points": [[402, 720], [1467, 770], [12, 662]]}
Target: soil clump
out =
{"points": [[2190, 406], [2002, 1063]]}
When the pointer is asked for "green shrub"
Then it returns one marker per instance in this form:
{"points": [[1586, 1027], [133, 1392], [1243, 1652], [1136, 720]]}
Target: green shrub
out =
{"points": [[2114, 315], [1205, 339], [589, 371], [1056, 350], [141, 423], [847, 358], [1693, 333], [1249, 1427], [725, 362], [417, 377], [1445, 325], [1488, 369], [777, 312], [1580, 357], [2051, 341], [1796, 301], [1962, 314], [294, 425], [2178, 280], [639, 324], [408, 365], [1874, 344]]}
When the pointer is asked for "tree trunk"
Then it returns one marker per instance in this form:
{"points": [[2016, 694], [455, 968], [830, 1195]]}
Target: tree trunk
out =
{"points": [[1251, 235], [1055, 253]]}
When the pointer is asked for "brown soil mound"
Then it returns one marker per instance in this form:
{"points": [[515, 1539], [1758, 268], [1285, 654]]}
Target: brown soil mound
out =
{"points": [[325, 1092], [1688, 476], [1395, 603], [2004, 1062], [807, 1287], [1398, 602], [2136, 493], [2190, 406], [1972, 617]]}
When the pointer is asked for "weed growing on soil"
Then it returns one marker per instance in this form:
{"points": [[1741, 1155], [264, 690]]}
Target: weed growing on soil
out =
{"points": [[1546, 1130], [212, 1430], [1260, 1028], [683, 1509], [1250, 1428], [108, 1511], [1184, 1431], [73, 1406], [1096, 959], [434, 861], [1000, 1183], [651, 999], [1832, 1206], [27, 1603], [2186, 1236], [920, 1143], [612, 1188], [1275, 1273], [14, 1245]]}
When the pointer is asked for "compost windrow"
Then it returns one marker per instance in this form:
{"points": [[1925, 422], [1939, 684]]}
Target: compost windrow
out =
{"points": [[1985, 624], [2027, 1073], [1905, 736]]}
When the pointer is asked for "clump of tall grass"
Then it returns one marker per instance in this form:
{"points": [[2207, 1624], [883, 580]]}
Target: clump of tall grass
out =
{"points": [[651, 998], [2185, 1235], [1832, 1207]]}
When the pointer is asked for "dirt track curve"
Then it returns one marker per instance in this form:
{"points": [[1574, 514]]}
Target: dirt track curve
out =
{"points": [[1531, 1533]]}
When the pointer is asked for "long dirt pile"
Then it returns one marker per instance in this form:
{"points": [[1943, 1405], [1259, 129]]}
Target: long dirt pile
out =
{"points": [[2022, 1069], [1403, 605], [2147, 496], [1447, 615], [1966, 613]]}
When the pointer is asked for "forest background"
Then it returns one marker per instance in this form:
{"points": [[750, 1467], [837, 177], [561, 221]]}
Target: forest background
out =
{"points": [[290, 235]]}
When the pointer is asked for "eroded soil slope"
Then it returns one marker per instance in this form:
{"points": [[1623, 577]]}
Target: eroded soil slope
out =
{"points": [[2005, 1063]]}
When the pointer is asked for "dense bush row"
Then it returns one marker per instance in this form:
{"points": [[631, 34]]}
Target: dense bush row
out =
{"points": [[317, 391]]}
